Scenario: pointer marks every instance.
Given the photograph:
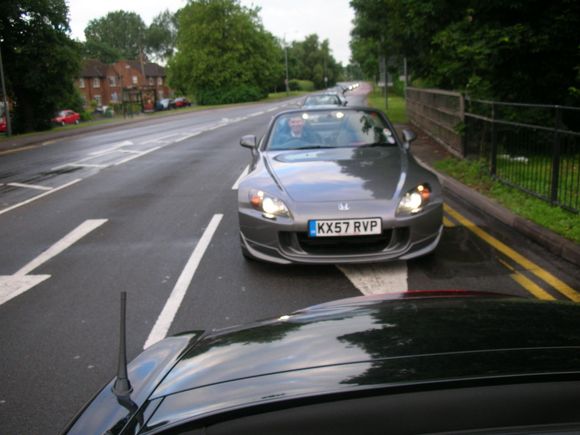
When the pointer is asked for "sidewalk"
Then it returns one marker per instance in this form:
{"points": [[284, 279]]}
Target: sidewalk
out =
{"points": [[427, 151]]}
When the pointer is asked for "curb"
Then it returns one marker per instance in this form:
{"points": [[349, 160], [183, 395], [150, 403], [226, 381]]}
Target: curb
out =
{"points": [[553, 242]]}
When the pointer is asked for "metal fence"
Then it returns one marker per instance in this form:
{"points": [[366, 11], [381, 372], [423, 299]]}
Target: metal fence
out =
{"points": [[535, 148]]}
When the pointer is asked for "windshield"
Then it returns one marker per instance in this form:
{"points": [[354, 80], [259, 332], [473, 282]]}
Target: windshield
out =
{"points": [[330, 129]]}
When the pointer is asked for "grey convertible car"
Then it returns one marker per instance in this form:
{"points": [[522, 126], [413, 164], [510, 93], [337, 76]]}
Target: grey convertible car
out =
{"points": [[330, 186]]}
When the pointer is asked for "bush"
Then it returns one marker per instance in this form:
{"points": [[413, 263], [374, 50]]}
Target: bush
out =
{"points": [[301, 85], [235, 94], [86, 116]]}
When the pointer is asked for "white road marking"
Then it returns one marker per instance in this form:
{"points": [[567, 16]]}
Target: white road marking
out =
{"points": [[188, 136], [74, 236], [242, 175], [160, 138], [378, 278], [29, 186], [169, 311], [141, 154], [28, 201], [113, 148], [14, 285]]}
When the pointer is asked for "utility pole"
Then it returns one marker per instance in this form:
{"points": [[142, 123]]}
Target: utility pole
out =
{"points": [[6, 108]]}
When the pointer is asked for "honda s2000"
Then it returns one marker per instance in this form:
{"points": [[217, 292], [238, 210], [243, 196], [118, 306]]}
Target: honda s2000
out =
{"points": [[336, 186]]}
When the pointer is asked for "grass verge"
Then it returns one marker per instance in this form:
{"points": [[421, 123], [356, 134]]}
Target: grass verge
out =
{"points": [[397, 111], [474, 174]]}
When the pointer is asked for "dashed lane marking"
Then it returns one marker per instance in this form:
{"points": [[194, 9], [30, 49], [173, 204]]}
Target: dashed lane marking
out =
{"points": [[240, 178], [169, 311]]}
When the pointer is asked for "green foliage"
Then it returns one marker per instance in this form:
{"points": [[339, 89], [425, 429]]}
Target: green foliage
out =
{"points": [[40, 60], [301, 85], [234, 94], [475, 174], [223, 53], [119, 31], [312, 60], [509, 50], [161, 36], [397, 111]]}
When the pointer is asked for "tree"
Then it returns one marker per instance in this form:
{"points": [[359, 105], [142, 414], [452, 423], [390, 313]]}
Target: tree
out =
{"points": [[223, 53], [312, 60], [40, 60], [118, 33], [161, 36], [513, 50]]}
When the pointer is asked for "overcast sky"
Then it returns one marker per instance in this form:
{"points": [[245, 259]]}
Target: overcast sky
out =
{"points": [[330, 19]]}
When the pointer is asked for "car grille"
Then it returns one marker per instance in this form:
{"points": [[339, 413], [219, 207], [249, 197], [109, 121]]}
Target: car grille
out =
{"points": [[337, 245]]}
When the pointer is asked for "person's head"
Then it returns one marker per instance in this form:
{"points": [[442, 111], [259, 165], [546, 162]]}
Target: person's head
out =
{"points": [[296, 124]]}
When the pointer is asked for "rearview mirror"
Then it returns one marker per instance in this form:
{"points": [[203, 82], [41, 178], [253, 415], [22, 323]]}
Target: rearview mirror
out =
{"points": [[249, 141], [409, 136]]}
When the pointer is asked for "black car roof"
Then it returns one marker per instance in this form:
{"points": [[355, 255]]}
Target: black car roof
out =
{"points": [[454, 334]]}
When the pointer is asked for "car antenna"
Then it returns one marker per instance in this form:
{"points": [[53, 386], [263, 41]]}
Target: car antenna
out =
{"points": [[122, 387]]}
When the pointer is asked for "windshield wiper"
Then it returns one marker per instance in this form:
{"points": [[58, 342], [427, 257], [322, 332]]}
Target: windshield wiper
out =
{"points": [[377, 144], [311, 147]]}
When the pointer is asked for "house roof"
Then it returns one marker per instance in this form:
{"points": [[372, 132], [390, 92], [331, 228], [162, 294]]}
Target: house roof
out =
{"points": [[96, 68], [93, 68], [150, 69]]}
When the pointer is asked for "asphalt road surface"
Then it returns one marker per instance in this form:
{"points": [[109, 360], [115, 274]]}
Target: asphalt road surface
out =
{"points": [[150, 209]]}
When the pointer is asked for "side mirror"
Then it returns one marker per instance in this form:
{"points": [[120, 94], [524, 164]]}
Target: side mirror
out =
{"points": [[345, 103], [409, 136], [249, 141]]}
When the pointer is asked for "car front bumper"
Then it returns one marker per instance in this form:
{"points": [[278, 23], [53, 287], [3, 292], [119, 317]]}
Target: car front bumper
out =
{"points": [[284, 241]]}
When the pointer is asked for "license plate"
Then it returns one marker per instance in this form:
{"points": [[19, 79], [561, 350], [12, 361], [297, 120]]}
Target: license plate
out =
{"points": [[346, 227]]}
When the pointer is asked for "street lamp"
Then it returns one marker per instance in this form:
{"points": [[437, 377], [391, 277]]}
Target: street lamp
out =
{"points": [[6, 108]]}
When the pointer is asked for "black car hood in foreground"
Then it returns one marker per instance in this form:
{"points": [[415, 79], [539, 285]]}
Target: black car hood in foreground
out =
{"points": [[358, 344]]}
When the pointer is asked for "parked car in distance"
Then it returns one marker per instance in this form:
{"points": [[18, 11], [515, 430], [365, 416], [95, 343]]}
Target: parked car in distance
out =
{"points": [[164, 104], [66, 117], [3, 126], [181, 102], [337, 185], [403, 363]]}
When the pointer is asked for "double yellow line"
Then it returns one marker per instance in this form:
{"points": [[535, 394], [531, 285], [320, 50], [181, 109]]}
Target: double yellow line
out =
{"points": [[528, 265]]}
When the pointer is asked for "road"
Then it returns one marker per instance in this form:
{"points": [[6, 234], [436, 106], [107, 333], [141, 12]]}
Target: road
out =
{"points": [[150, 208]]}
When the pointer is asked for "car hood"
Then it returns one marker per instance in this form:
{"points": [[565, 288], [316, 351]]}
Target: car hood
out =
{"points": [[383, 341], [339, 174]]}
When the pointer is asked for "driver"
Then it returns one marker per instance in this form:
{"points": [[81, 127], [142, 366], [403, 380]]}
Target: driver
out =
{"points": [[300, 131], [296, 125]]}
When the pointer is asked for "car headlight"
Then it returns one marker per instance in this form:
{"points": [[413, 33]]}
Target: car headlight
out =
{"points": [[414, 200], [268, 204]]}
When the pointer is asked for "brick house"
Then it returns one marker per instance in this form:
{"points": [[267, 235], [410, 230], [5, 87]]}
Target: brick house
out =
{"points": [[108, 84]]}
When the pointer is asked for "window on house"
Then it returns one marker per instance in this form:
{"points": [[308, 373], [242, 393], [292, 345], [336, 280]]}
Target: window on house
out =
{"points": [[81, 83], [112, 81], [96, 82], [114, 97], [135, 80], [159, 81], [98, 100], [151, 81]]}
